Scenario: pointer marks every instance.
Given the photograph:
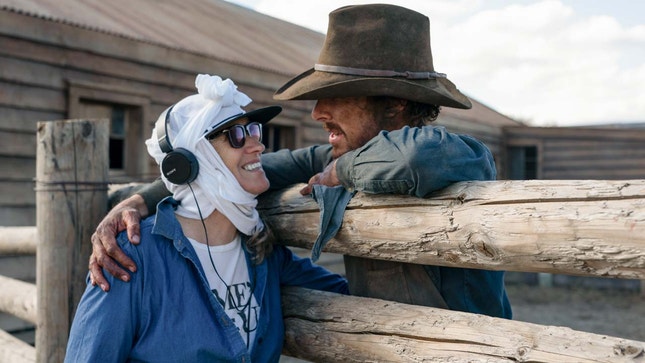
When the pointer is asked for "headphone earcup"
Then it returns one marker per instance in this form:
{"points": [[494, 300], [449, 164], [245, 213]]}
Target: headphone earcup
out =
{"points": [[180, 166]]}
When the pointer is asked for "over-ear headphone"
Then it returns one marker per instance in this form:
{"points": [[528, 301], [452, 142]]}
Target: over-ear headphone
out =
{"points": [[179, 166]]}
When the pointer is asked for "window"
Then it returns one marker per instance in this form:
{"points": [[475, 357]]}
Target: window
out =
{"points": [[276, 137], [126, 111], [522, 162], [117, 137]]}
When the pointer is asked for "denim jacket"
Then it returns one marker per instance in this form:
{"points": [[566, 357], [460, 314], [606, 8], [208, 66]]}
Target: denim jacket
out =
{"points": [[167, 312], [411, 161]]}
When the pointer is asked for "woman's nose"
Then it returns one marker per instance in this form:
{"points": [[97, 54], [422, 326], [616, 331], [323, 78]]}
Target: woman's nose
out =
{"points": [[254, 145]]}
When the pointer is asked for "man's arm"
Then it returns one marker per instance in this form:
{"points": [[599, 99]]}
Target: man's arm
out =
{"points": [[415, 161], [286, 167], [124, 216], [412, 161]]}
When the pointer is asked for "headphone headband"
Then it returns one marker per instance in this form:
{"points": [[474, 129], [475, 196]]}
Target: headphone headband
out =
{"points": [[162, 132], [179, 166]]}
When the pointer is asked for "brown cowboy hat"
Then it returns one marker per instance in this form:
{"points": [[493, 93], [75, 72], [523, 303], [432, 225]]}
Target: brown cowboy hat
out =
{"points": [[375, 50]]}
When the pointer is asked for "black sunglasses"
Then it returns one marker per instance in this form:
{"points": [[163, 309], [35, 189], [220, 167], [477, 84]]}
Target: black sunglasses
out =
{"points": [[237, 134]]}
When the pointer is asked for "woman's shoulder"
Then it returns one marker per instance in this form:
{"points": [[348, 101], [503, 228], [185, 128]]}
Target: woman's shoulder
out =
{"points": [[149, 241]]}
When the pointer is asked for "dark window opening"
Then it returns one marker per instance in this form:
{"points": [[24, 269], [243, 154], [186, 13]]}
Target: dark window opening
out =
{"points": [[117, 137], [523, 162], [276, 137]]}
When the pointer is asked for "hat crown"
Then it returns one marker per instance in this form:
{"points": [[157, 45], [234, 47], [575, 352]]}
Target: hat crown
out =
{"points": [[375, 50], [381, 37]]}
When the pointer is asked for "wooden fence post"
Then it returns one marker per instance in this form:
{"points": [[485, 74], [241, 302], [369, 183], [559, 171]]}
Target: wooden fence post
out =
{"points": [[71, 185]]}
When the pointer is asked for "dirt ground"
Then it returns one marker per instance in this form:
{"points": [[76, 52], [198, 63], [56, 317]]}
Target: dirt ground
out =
{"points": [[618, 313]]}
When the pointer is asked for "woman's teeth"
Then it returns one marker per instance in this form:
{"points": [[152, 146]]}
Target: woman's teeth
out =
{"points": [[253, 166]]}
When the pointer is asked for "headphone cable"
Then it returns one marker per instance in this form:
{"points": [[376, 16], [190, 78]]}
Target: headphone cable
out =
{"points": [[247, 305]]}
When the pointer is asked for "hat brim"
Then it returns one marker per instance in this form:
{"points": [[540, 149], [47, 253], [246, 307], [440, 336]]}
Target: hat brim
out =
{"points": [[261, 115], [314, 85]]}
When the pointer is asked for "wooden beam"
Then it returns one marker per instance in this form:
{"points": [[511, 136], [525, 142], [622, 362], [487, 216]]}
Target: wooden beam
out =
{"points": [[71, 194], [577, 227], [18, 240], [18, 298], [15, 350], [328, 327]]}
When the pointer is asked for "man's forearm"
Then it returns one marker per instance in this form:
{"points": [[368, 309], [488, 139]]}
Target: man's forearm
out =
{"points": [[415, 161], [150, 195], [136, 201], [286, 167]]}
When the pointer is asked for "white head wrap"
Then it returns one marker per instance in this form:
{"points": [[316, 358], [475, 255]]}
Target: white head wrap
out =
{"points": [[215, 187]]}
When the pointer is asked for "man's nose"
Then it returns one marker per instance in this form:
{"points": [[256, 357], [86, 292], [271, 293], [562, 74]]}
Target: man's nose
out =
{"points": [[319, 112]]}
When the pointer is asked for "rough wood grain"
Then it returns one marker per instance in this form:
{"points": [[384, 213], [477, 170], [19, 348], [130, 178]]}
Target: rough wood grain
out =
{"points": [[327, 327], [14, 350], [579, 227], [18, 298], [71, 194]]}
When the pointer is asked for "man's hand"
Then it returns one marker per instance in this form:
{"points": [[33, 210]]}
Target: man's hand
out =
{"points": [[328, 177], [105, 250]]}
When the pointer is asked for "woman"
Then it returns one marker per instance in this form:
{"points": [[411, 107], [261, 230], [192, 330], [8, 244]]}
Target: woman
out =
{"points": [[208, 287]]}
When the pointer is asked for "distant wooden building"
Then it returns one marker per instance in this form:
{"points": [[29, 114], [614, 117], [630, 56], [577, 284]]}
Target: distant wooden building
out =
{"points": [[575, 152], [128, 61]]}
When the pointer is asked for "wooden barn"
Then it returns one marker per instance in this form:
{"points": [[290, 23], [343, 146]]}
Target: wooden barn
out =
{"points": [[129, 60]]}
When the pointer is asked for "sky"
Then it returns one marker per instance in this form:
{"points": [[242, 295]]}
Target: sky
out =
{"points": [[545, 63]]}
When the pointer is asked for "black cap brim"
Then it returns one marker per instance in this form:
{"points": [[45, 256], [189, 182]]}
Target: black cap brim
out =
{"points": [[261, 115]]}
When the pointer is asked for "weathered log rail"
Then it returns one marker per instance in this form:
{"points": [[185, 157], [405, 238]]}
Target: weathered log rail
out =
{"points": [[576, 227], [18, 240], [589, 228], [327, 327]]}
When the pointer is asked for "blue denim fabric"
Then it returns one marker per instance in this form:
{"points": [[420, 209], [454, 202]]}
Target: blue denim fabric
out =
{"points": [[167, 313], [410, 161], [332, 203], [415, 161]]}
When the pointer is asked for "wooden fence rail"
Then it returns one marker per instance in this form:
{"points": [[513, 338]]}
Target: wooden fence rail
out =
{"points": [[589, 228], [18, 298], [327, 327], [14, 350], [576, 227], [18, 240]]}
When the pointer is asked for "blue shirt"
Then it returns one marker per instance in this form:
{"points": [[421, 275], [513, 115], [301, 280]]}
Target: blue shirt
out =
{"points": [[167, 312]]}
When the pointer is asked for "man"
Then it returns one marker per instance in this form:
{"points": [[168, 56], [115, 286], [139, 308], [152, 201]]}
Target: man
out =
{"points": [[375, 87]]}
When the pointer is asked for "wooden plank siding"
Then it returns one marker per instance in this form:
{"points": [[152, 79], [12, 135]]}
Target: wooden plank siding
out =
{"points": [[584, 153], [43, 63]]}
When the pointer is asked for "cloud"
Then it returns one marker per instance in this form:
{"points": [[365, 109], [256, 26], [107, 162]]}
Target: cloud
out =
{"points": [[540, 62]]}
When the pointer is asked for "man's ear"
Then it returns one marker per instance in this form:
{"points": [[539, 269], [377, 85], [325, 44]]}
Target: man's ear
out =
{"points": [[396, 111], [395, 106]]}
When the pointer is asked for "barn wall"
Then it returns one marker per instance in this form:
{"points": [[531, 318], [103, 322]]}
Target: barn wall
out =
{"points": [[584, 153], [46, 65]]}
